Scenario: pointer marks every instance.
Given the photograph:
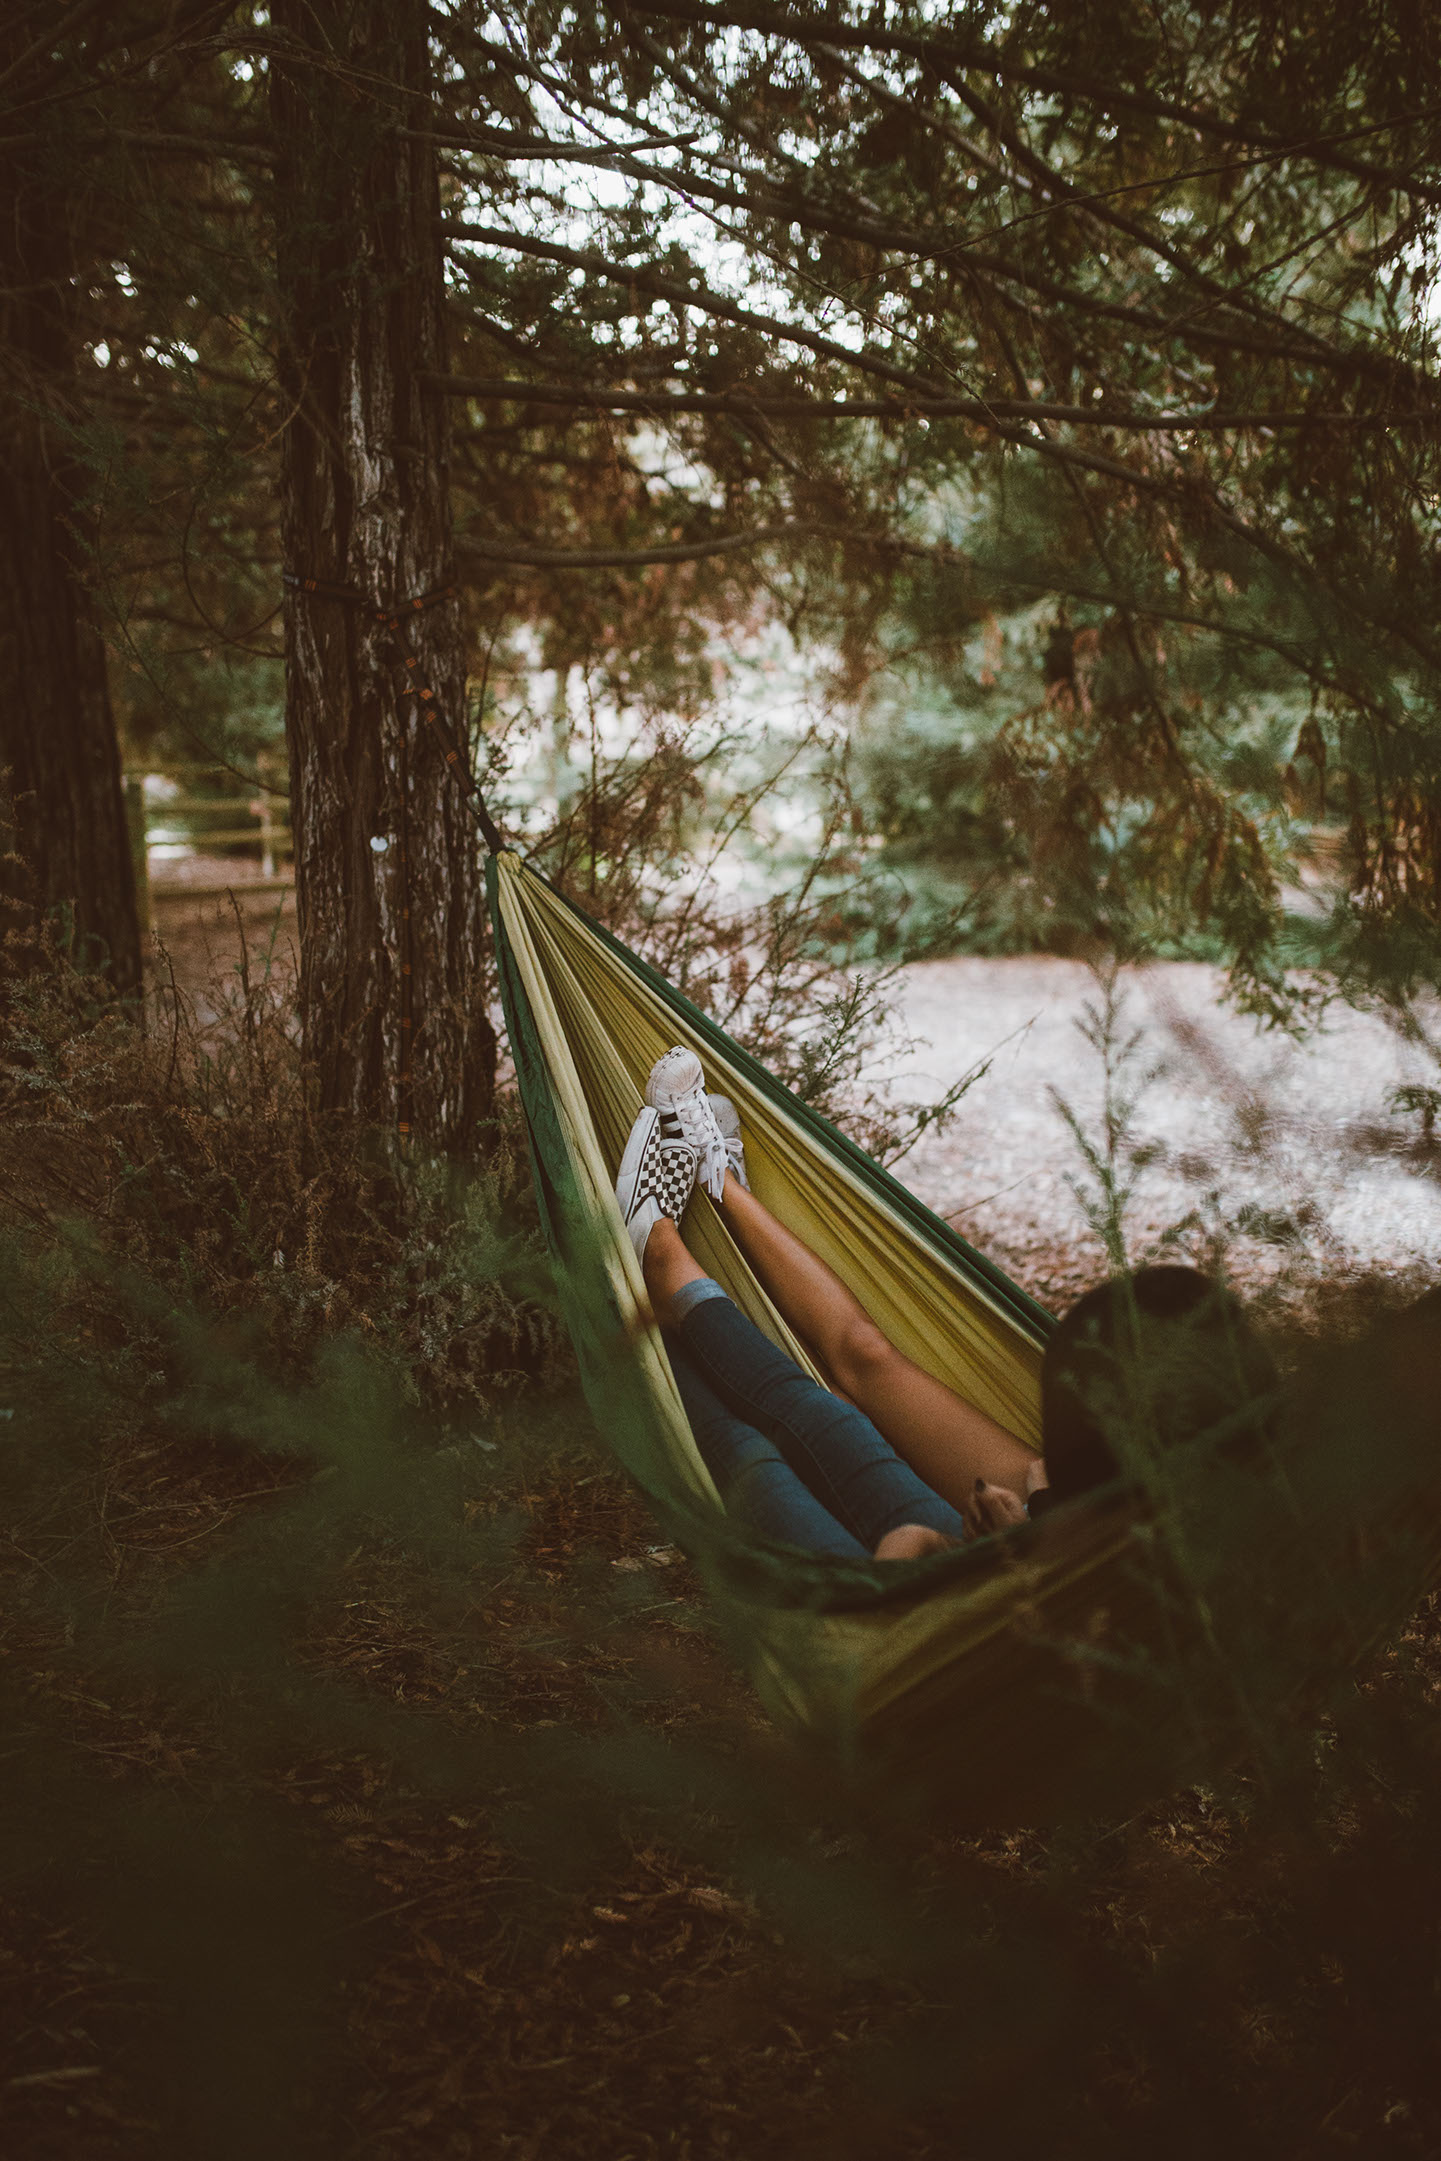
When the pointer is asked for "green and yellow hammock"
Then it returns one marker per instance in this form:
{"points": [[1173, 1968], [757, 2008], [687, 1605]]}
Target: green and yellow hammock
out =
{"points": [[1036, 1676]]}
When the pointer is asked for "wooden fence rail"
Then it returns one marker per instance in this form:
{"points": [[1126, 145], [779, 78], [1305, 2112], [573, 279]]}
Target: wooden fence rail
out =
{"points": [[151, 820]]}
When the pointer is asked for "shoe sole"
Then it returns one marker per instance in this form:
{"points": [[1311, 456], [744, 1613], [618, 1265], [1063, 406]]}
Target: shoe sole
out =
{"points": [[668, 1092], [628, 1176]]}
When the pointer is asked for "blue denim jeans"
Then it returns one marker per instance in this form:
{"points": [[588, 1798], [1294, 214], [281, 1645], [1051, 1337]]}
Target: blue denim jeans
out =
{"points": [[789, 1458]]}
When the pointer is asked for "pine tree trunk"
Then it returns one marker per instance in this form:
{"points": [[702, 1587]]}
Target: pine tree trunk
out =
{"points": [[388, 866], [64, 843]]}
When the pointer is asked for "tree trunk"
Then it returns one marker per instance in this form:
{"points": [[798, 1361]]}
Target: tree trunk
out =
{"points": [[64, 842], [388, 866]]}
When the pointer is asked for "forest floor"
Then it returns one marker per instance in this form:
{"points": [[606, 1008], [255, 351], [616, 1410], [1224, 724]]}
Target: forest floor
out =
{"points": [[200, 933], [499, 1858]]}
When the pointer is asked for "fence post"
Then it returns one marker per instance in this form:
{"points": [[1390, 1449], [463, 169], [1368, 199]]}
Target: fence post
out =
{"points": [[265, 809], [139, 852]]}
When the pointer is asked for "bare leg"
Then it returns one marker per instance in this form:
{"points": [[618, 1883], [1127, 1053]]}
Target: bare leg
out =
{"points": [[667, 1267], [946, 1440]]}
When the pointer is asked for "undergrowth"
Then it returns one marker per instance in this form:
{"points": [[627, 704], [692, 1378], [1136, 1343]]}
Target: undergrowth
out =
{"points": [[375, 1784], [189, 1154]]}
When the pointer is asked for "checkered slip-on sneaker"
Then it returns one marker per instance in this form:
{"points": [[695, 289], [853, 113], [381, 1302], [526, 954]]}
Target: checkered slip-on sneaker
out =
{"points": [[656, 1178], [676, 1089]]}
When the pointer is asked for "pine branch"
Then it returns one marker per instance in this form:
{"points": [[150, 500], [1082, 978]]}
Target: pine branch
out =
{"points": [[1287, 340], [744, 405], [983, 58], [641, 279], [683, 551]]}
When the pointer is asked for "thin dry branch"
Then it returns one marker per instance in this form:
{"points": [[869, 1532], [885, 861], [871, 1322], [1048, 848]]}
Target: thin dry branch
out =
{"points": [[744, 404]]}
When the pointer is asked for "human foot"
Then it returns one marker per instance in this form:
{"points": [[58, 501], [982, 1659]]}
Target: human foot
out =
{"points": [[989, 1508], [676, 1089], [655, 1180], [911, 1542]]}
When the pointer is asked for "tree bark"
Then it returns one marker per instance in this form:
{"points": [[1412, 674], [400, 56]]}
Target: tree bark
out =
{"points": [[388, 866], [64, 843]]}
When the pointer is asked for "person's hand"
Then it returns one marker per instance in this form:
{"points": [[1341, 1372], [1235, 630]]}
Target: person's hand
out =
{"points": [[991, 1508]]}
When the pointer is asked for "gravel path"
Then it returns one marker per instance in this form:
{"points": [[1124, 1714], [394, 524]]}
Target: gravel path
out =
{"points": [[1239, 1119], [1249, 1130]]}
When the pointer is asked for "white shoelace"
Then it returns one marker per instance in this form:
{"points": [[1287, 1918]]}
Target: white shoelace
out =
{"points": [[692, 1117]]}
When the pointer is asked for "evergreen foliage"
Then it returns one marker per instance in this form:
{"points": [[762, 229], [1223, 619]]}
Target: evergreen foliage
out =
{"points": [[1108, 328]]}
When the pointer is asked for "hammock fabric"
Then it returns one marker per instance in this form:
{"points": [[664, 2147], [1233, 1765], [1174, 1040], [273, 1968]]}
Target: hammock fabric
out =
{"points": [[1019, 1680]]}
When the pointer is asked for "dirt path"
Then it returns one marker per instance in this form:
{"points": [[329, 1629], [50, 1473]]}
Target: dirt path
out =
{"points": [[199, 933], [1295, 1142]]}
